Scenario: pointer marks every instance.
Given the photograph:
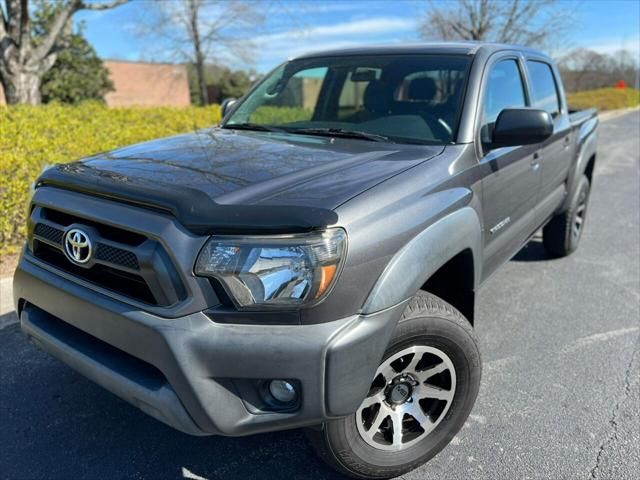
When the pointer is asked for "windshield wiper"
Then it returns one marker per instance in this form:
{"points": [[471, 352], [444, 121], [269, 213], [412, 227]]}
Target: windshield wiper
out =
{"points": [[252, 126], [340, 132]]}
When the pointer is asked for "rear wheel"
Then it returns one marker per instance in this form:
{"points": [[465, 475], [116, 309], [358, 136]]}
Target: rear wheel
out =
{"points": [[421, 395], [561, 236]]}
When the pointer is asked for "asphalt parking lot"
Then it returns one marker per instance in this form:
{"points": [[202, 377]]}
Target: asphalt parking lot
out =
{"points": [[560, 395]]}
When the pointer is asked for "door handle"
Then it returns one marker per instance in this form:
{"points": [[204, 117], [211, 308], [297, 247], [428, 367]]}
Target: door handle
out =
{"points": [[535, 162]]}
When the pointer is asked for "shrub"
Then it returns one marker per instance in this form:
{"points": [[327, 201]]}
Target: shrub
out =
{"points": [[33, 137], [280, 115], [604, 98]]}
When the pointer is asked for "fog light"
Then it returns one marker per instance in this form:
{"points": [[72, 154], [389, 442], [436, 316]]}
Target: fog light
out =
{"points": [[282, 391]]}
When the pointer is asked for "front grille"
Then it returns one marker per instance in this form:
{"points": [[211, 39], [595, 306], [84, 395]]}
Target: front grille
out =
{"points": [[117, 256], [49, 233], [106, 253], [118, 281], [124, 262], [108, 232]]}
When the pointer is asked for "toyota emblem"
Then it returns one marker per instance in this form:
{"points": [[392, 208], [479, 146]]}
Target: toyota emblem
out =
{"points": [[77, 246]]}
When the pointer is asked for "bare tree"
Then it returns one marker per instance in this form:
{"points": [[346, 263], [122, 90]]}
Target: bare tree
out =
{"points": [[584, 69], [25, 57], [202, 31], [524, 22]]}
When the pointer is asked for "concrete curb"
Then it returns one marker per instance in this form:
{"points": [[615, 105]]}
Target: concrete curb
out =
{"points": [[7, 315], [6, 295], [6, 290], [610, 114]]}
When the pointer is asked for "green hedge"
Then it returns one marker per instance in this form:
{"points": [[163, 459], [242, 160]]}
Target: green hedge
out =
{"points": [[280, 115], [33, 137], [604, 98]]}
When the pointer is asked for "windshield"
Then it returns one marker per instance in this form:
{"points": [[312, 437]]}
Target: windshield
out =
{"points": [[399, 98]]}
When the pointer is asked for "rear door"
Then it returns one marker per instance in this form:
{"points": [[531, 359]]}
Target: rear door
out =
{"points": [[512, 178], [557, 151]]}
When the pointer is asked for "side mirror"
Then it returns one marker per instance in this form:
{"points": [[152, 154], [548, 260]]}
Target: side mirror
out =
{"points": [[225, 106], [521, 126]]}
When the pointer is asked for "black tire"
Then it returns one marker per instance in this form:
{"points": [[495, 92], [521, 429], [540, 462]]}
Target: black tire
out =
{"points": [[561, 236], [427, 321]]}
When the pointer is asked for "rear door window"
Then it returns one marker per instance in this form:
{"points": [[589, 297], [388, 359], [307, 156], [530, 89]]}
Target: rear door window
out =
{"points": [[544, 91]]}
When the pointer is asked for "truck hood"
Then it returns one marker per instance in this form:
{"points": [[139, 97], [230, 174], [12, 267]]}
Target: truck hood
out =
{"points": [[221, 180]]}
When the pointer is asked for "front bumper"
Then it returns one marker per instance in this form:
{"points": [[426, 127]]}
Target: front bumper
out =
{"points": [[191, 372]]}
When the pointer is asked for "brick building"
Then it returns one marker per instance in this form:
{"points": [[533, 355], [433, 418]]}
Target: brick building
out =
{"points": [[147, 84], [151, 84]]}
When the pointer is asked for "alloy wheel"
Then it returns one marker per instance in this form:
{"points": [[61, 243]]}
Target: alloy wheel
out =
{"points": [[409, 396], [579, 217]]}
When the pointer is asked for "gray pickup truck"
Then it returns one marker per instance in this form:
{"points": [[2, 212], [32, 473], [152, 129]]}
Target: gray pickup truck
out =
{"points": [[313, 260]]}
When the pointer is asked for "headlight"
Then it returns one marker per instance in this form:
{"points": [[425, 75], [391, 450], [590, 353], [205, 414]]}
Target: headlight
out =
{"points": [[275, 271]]}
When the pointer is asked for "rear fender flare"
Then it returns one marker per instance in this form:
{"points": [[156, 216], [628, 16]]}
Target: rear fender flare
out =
{"points": [[586, 142]]}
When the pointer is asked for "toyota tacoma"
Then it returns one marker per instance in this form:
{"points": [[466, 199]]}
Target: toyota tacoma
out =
{"points": [[313, 260]]}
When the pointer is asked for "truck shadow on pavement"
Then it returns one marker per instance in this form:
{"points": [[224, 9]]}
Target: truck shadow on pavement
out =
{"points": [[56, 424], [533, 251]]}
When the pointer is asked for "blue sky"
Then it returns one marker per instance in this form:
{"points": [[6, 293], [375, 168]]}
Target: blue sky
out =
{"points": [[296, 26]]}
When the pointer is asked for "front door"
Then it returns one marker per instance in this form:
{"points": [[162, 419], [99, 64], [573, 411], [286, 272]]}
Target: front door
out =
{"points": [[512, 179]]}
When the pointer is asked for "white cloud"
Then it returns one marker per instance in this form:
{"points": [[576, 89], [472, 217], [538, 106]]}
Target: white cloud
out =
{"points": [[307, 7], [278, 46], [610, 46], [299, 50], [374, 26]]}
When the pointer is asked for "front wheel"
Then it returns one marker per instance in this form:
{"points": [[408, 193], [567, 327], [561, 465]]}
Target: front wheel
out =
{"points": [[421, 395]]}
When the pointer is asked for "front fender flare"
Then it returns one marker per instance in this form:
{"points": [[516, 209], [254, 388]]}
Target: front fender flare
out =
{"points": [[412, 266]]}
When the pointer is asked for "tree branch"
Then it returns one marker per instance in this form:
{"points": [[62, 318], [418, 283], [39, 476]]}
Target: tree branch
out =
{"points": [[100, 6], [507, 25], [25, 28], [56, 27], [71, 7], [528, 22], [3, 24], [13, 20]]}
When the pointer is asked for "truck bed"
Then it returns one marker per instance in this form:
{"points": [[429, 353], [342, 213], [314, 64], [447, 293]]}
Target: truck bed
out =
{"points": [[581, 116]]}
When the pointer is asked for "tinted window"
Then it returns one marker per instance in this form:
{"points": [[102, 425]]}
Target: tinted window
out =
{"points": [[407, 98], [543, 86], [436, 87], [352, 96], [504, 89], [294, 103]]}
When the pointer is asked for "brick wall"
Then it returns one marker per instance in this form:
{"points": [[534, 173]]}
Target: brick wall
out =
{"points": [[151, 84]]}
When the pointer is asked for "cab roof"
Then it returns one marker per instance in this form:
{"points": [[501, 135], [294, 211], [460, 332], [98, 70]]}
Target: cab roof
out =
{"points": [[446, 48]]}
